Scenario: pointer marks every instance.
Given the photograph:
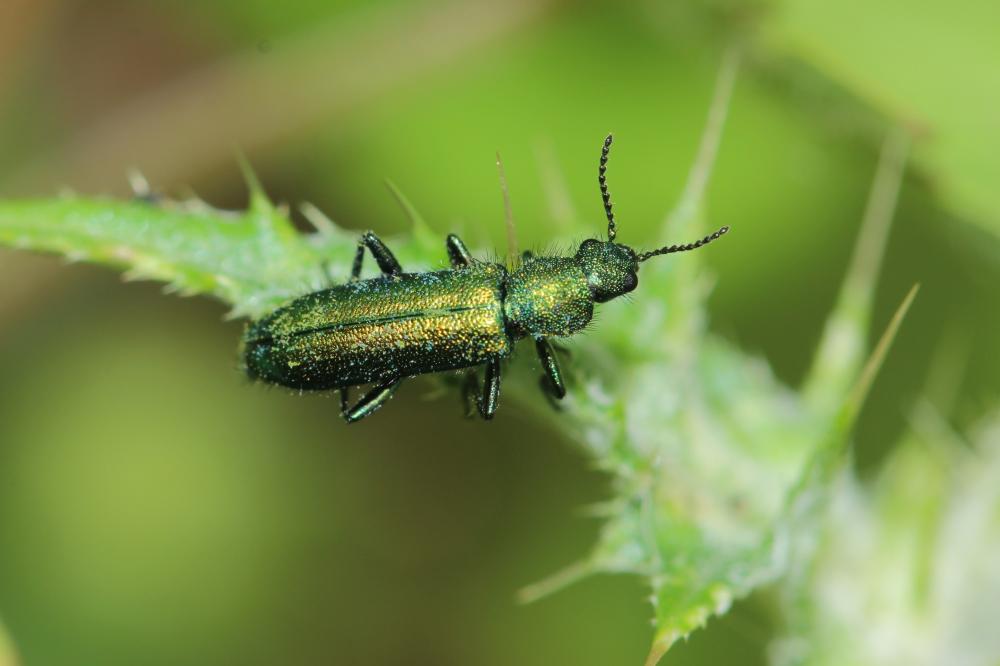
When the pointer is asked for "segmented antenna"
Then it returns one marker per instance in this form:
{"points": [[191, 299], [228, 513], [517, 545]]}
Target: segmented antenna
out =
{"points": [[605, 195], [683, 248]]}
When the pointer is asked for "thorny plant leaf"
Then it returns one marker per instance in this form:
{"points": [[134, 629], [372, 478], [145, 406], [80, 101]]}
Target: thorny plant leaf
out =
{"points": [[717, 465], [253, 260], [906, 569], [715, 462]]}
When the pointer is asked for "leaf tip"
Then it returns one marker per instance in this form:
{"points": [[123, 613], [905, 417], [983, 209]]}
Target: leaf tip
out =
{"points": [[867, 377], [258, 197], [422, 233], [318, 219], [661, 645], [414, 216], [708, 147], [555, 582], [840, 351]]}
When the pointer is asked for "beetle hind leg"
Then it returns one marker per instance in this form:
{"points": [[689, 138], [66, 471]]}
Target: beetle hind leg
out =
{"points": [[370, 402]]}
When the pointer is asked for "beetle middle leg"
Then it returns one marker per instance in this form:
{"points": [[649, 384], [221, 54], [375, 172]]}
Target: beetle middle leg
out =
{"points": [[369, 402], [384, 257]]}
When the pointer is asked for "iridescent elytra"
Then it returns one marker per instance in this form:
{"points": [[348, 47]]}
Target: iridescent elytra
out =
{"points": [[381, 331]]}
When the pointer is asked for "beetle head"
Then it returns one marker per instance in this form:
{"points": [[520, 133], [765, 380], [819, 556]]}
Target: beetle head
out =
{"points": [[612, 269]]}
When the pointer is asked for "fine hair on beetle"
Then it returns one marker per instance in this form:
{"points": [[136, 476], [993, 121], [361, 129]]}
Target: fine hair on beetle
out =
{"points": [[381, 331]]}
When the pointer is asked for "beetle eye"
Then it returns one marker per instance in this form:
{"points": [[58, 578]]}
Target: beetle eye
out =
{"points": [[590, 242], [631, 282]]}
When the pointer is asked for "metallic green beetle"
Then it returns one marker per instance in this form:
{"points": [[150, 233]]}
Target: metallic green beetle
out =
{"points": [[383, 330]]}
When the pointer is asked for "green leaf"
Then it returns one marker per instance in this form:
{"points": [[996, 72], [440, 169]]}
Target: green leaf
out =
{"points": [[253, 260], [717, 465], [719, 468], [711, 456], [906, 569]]}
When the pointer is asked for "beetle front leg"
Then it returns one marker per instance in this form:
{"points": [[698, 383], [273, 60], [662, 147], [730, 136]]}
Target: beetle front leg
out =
{"points": [[490, 398], [369, 402], [384, 257], [458, 253], [552, 379]]}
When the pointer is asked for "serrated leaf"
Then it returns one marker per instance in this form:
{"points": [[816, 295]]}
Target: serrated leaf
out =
{"points": [[709, 452], [718, 466], [716, 462], [253, 260], [906, 571]]}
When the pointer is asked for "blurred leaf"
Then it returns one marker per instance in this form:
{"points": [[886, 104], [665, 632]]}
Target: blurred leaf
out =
{"points": [[846, 327], [309, 80], [931, 66], [717, 465], [906, 570], [711, 455]]}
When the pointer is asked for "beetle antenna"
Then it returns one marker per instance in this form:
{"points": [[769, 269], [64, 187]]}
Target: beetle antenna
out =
{"points": [[605, 195], [683, 248]]}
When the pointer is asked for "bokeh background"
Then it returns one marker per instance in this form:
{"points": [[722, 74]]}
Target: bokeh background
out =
{"points": [[155, 508]]}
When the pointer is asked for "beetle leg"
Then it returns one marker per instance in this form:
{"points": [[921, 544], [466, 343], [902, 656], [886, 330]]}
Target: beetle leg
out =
{"points": [[369, 402], [490, 399], [550, 366], [383, 256], [457, 252]]}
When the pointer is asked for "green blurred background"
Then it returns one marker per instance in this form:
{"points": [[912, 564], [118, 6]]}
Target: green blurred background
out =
{"points": [[155, 508]]}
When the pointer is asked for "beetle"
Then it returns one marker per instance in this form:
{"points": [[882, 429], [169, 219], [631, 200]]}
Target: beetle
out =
{"points": [[384, 330]]}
